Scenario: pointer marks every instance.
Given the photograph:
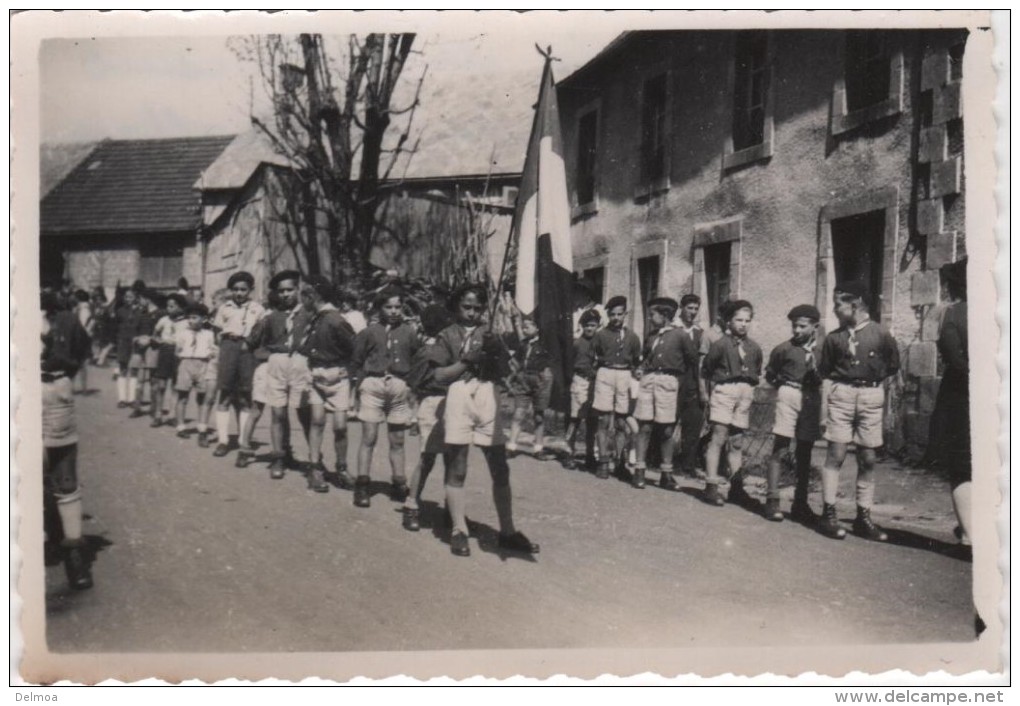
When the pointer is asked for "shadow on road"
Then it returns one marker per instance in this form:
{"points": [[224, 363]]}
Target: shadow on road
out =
{"points": [[436, 519], [904, 538]]}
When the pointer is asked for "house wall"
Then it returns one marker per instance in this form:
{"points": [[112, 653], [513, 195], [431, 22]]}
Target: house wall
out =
{"points": [[775, 210]]}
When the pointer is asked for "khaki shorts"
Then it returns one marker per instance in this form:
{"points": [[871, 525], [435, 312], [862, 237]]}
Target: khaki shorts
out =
{"points": [[612, 391], [384, 399], [473, 414], [730, 404], [331, 388], [430, 423], [259, 383], [151, 358], [288, 380], [58, 423], [580, 395], [657, 398], [191, 373], [855, 414]]}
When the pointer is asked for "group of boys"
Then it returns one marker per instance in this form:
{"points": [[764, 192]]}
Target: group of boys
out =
{"points": [[633, 392], [302, 354]]}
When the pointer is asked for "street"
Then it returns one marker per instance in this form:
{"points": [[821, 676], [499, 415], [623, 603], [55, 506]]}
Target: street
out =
{"points": [[195, 555]]}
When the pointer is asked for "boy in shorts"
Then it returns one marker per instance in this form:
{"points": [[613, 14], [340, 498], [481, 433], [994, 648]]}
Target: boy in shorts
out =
{"points": [[233, 323], [431, 405], [793, 371], [731, 369], [617, 354], [667, 354], [212, 372], [327, 344], [383, 352], [164, 340], [857, 358], [472, 361], [143, 360], [581, 390], [257, 344], [195, 347], [532, 363]]}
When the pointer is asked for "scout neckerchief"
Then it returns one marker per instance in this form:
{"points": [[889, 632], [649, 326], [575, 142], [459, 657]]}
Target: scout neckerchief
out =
{"points": [[528, 350], [289, 325], [310, 329], [809, 354], [852, 340], [741, 351], [658, 337]]}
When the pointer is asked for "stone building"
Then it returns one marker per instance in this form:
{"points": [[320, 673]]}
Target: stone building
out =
{"points": [[125, 211], [766, 165]]}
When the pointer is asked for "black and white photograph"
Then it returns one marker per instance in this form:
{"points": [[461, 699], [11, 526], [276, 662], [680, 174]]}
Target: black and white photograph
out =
{"points": [[455, 344]]}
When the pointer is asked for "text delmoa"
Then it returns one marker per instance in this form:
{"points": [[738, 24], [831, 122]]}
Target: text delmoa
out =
{"points": [[35, 697]]}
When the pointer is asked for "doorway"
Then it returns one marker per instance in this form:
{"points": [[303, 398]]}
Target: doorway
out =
{"points": [[857, 245]]}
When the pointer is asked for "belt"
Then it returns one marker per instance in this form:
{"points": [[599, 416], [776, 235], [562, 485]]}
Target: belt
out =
{"points": [[749, 381], [231, 337], [665, 371], [53, 376], [327, 364], [616, 367], [401, 376], [858, 383]]}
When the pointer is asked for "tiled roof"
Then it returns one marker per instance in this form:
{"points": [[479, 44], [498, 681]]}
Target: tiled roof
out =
{"points": [[57, 161], [235, 164], [132, 186]]}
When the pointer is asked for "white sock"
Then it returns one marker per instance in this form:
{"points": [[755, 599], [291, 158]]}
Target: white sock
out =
{"points": [[632, 457], [132, 389], [69, 509], [830, 485], [243, 432], [223, 426], [182, 427], [203, 428], [122, 389]]}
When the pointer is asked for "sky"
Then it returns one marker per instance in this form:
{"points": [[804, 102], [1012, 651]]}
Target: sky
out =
{"points": [[149, 87]]}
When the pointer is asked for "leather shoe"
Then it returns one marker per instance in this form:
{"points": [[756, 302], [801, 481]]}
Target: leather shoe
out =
{"points": [[517, 542], [76, 566], [772, 511], [221, 450], [459, 544], [317, 480], [411, 519], [277, 469], [712, 496], [362, 496], [399, 491], [667, 481]]}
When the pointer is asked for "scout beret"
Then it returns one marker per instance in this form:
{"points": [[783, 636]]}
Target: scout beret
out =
{"points": [[182, 301], [241, 276], [434, 319], [322, 286], [855, 289], [591, 315], [294, 275], [461, 291], [198, 308], [804, 311], [615, 302], [665, 302], [690, 299]]}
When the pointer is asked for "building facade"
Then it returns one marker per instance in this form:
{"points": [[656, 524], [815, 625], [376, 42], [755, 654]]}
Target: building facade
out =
{"points": [[767, 165]]}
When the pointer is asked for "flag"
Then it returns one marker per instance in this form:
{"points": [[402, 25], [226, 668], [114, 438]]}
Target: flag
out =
{"points": [[544, 287]]}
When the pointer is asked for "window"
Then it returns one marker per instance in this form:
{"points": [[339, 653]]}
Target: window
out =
{"points": [[956, 62], [587, 132], [648, 277], [867, 69], [750, 89], [717, 276], [857, 245], [161, 267], [654, 152], [597, 276]]}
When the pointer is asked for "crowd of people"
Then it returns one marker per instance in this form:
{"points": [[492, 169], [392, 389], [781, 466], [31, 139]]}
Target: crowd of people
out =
{"points": [[661, 406]]}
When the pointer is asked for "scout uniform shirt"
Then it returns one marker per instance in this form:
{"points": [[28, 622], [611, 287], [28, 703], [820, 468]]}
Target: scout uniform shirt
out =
{"points": [[384, 349], [456, 340], [618, 349], [236, 321], [863, 355], [584, 357], [281, 331], [328, 340], [669, 351], [731, 359], [794, 365], [195, 343]]}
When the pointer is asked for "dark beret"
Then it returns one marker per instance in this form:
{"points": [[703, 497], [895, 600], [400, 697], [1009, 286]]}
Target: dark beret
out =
{"points": [[615, 302], [322, 286], [690, 299], [665, 302], [591, 315], [854, 288], [434, 319], [198, 308], [738, 305], [804, 311], [464, 289], [285, 275], [182, 301]]}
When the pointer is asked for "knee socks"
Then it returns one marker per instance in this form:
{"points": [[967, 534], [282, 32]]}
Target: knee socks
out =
{"points": [[70, 511]]}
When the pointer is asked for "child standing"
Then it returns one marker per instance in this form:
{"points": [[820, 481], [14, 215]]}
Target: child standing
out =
{"points": [[127, 317], [165, 341], [234, 322], [195, 347], [581, 390], [617, 354], [857, 358], [732, 370], [691, 412], [534, 367], [382, 361], [257, 344], [87, 319], [793, 370], [431, 399], [212, 372], [667, 354]]}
